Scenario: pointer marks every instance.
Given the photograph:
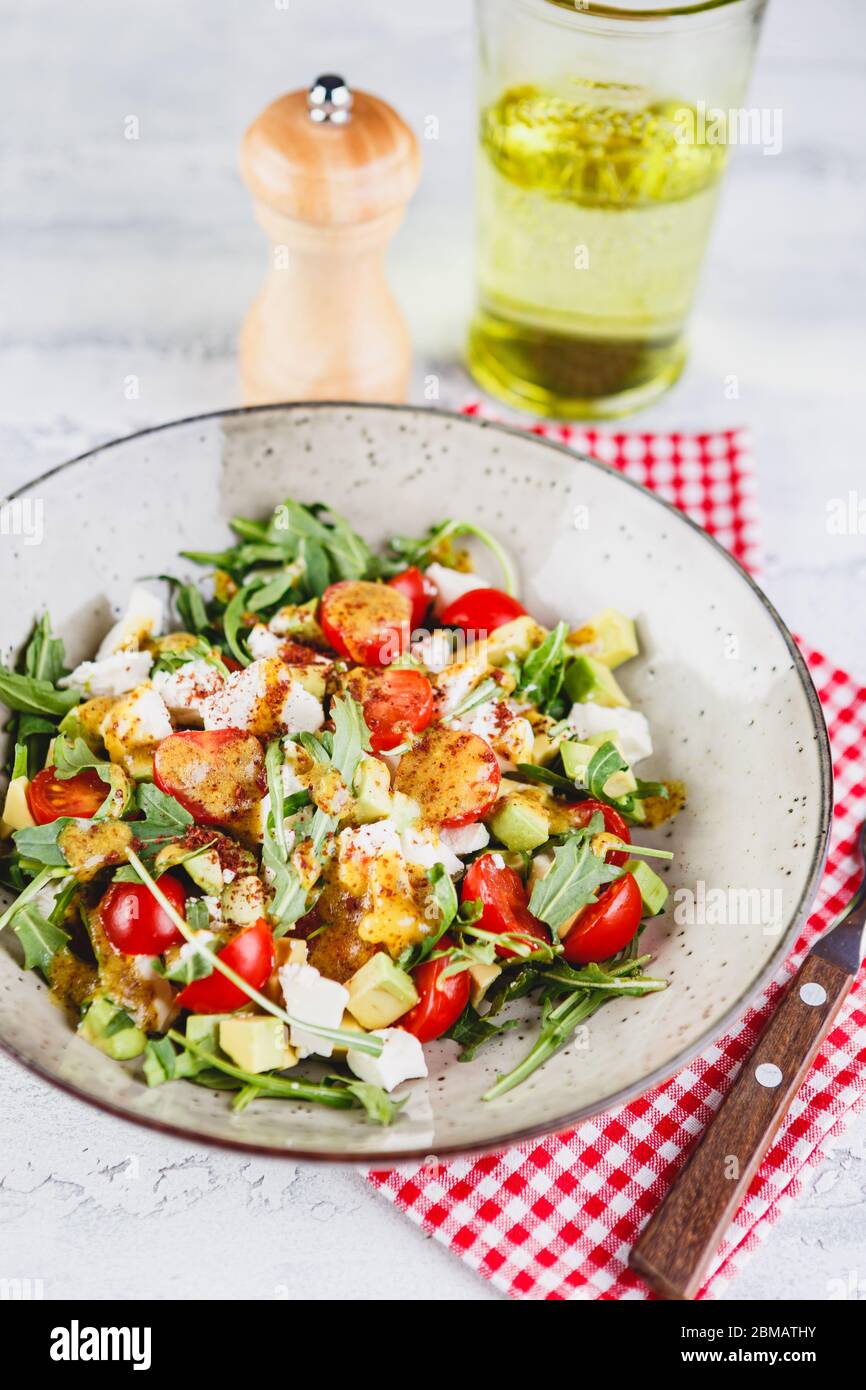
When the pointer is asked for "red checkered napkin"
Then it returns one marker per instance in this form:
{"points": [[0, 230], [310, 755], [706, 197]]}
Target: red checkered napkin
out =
{"points": [[557, 1218]]}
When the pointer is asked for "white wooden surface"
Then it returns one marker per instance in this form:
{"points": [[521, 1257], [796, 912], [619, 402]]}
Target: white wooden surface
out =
{"points": [[126, 267]]}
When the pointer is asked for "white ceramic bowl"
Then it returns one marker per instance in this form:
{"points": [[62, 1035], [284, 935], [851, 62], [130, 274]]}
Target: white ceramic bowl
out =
{"points": [[732, 708]]}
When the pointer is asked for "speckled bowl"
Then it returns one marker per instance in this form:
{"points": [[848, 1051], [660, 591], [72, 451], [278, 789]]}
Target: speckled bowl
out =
{"points": [[731, 705]]}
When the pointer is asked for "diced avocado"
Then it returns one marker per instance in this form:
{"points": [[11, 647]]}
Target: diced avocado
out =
{"points": [[16, 812], [576, 758], [290, 950], [380, 992], [85, 720], [653, 890], [299, 621], [243, 900], [204, 1029], [257, 1042], [351, 1025], [609, 636], [587, 678], [372, 791], [111, 1030], [519, 824], [205, 872], [313, 678], [481, 977], [516, 638]]}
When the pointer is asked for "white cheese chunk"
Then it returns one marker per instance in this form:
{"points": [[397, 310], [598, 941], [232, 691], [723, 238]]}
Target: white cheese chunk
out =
{"points": [[143, 618], [450, 585], [401, 1059], [466, 839], [186, 689], [435, 650], [311, 998], [262, 642], [423, 848], [266, 699], [110, 675], [138, 720], [629, 725]]}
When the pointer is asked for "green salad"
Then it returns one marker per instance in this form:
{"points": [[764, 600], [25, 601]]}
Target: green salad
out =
{"points": [[292, 824]]}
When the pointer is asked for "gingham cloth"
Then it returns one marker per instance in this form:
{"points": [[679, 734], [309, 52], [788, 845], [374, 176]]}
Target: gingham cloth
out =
{"points": [[557, 1218]]}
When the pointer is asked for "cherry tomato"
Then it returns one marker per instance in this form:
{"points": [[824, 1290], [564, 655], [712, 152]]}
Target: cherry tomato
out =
{"points": [[369, 623], [49, 797], [453, 775], [419, 590], [250, 955], [607, 925], [135, 923], [218, 774], [396, 704], [482, 611], [504, 898], [580, 813], [440, 1002]]}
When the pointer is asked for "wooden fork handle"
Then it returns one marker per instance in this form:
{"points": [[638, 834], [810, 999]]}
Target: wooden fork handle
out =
{"points": [[674, 1250]]}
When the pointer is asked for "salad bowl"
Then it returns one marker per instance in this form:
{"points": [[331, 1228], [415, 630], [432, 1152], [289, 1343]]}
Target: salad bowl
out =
{"points": [[730, 702]]}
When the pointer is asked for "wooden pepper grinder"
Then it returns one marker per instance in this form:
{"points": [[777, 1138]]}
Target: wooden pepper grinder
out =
{"points": [[331, 172]]}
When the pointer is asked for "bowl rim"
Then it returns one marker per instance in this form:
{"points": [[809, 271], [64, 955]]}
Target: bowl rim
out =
{"points": [[391, 1159]]}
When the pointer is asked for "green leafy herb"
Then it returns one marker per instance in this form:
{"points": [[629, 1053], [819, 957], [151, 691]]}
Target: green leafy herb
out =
{"points": [[350, 741], [436, 542], [472, 1031], [289, 896], [575, 876], [164, 817], [541, 675], [40, 844], [528, 772], [199, 650], [44, 655], [380, 1108], [451, 913], [40, 938], [73, 755], [483, 692], [29, 695]]}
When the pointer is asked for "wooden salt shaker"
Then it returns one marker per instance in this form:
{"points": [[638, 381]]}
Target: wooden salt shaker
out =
{"points": [[331, 172]]}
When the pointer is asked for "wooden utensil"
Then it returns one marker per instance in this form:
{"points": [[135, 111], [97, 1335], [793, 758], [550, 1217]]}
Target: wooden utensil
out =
{"points": [[674, 1250], [330, 171]]}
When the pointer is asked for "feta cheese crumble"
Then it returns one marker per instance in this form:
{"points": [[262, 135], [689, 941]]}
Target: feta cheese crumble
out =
{"points": [[265, 699], [186, 689], [630, 726], [450, 585], [401, 1059], [143, 618], [110, 675], [311, 998]]}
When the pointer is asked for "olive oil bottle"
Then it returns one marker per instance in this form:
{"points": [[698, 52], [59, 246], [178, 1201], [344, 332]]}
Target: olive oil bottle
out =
{"points": [[594, 204]]}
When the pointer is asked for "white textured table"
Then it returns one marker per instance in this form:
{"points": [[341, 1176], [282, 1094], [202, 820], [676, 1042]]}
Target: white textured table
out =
{"points": [[126, 266]]}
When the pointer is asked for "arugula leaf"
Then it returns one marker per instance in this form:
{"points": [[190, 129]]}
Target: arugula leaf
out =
{"points": [[380, 1108], [351, 740], [163, 815], [528, 772], [575, 876], [542, 671], [289, 897], [160, 1061], [40, 938], [234, 620], [44, 655], [483, 692], [317, 571], [41, 843], [603, 765], [472, 1031], [350, 554], [74, 755], [199, 650], [31, 695], [436, 541]]}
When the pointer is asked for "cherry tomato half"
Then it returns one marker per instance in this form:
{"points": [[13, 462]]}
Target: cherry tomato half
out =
{"points": [[440, 1002], [419, 590], [607, 925], [581, 812], [482, 611], [504, 898], [217, 774], [135, 923], [396, 704], [49, 797], [369, 623], [250, 955], [453, 775]]}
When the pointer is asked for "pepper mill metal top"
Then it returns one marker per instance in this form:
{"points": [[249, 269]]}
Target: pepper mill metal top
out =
{"points": [[329, 99], [329, 155]]}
